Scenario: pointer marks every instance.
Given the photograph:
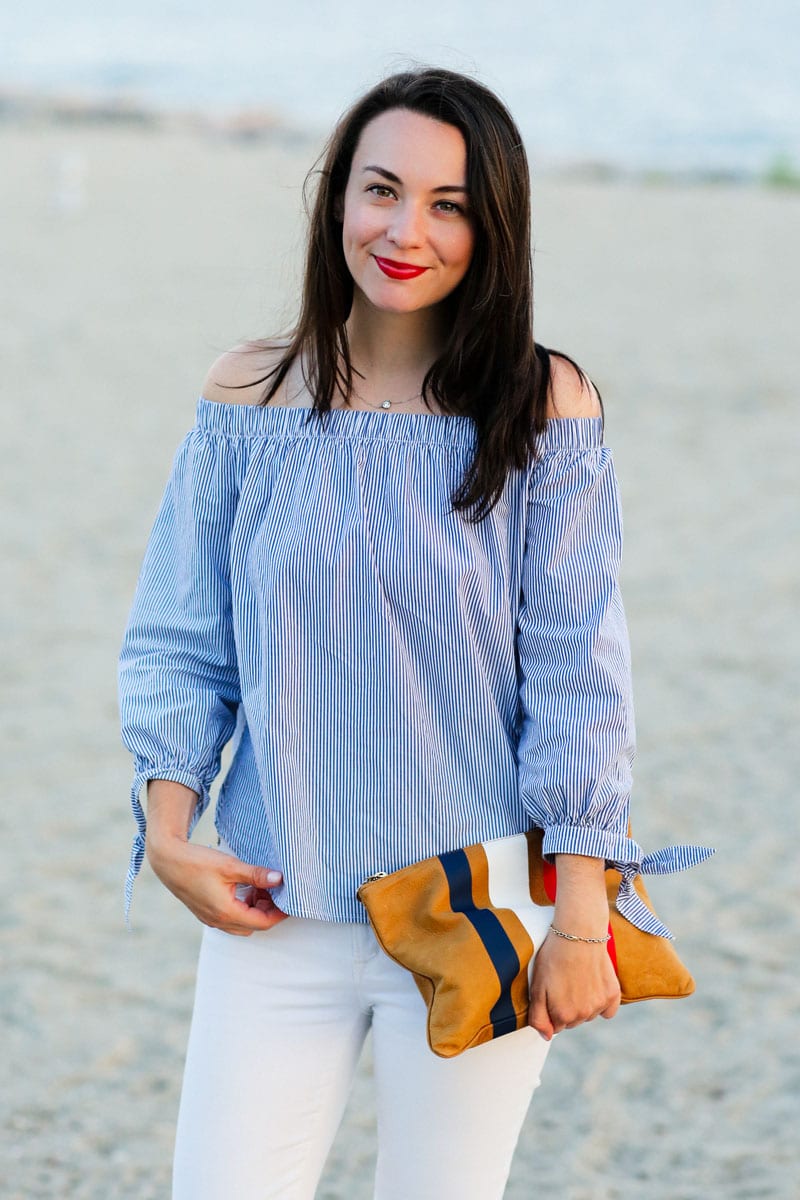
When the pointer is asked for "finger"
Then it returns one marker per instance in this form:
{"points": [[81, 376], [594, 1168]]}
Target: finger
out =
{"points": [[253, 909], [258, 915], [255, 922], [235, 870], [581, 1021], [256, 897], [558, 1014], [612, 1009], [539, 1018], [260, 878]]}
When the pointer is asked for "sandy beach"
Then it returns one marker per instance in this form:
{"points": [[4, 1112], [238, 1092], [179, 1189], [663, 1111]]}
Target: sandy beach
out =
{"points": [[131, 259]]}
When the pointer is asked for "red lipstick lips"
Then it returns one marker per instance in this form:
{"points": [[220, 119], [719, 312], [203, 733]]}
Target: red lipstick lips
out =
{"points": [[396, 270]]}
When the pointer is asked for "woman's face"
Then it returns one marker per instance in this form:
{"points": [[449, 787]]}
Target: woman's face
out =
{"points": [[406, 203]]}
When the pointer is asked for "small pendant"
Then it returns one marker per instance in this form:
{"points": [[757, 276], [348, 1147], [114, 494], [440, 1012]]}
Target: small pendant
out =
{"points": [[386, 404]]}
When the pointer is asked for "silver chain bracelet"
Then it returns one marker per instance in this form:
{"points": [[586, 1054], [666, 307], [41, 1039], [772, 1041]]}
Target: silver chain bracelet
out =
{"points": [[573, 937]]}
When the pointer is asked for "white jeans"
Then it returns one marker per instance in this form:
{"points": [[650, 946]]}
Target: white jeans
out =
{"points": [[279, 1021]]}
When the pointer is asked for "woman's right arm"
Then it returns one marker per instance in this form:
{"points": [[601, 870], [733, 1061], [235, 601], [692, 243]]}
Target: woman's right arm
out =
{"points": [[204, 879], [179, 685]]}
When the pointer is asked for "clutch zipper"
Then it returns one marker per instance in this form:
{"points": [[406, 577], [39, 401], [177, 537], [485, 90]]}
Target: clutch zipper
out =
{"points": [[377, 875]]}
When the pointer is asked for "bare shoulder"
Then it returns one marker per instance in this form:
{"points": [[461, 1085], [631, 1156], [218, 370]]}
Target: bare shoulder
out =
{"points": [[237, 376], [570, 395]]}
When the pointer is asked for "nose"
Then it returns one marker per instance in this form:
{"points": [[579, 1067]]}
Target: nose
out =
{"points": [[407, 227]]}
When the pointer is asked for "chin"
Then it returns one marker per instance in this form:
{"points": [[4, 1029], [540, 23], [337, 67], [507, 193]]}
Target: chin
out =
{"points": [[402, 301], [407, 311]]}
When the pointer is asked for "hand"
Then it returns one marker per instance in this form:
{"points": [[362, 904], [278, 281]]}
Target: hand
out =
{"points": [[573, 982], [205, 880]]}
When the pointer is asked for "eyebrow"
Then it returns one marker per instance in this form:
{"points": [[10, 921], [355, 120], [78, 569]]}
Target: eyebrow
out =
{"points": [[390, 175]]}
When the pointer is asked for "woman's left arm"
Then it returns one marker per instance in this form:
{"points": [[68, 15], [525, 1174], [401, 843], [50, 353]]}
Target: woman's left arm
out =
{"points": [[577, 739], [576, 743], [572, 981]]}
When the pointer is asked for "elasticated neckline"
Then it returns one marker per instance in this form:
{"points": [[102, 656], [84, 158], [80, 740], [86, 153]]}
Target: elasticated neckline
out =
{"points": [[252, 420]]}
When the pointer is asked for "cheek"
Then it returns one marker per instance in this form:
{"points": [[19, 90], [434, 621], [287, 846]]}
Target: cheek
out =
{"points": [[462, 250], [360, 226]]}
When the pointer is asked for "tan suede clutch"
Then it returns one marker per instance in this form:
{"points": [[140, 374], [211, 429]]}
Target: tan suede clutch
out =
{"points": [[467, 925]]}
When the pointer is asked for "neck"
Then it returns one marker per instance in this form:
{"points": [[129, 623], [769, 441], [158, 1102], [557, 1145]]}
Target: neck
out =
{"points": [[393, 346]]}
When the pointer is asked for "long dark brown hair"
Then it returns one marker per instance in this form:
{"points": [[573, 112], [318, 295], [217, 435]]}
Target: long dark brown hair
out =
{"points": [[490, 368]]}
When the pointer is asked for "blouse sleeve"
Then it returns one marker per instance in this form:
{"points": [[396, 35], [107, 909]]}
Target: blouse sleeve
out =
{"points": [[178, 676], [577, 737]]}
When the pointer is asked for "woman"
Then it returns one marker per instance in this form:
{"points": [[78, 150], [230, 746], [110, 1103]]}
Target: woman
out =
{"points": [[389, 548]]}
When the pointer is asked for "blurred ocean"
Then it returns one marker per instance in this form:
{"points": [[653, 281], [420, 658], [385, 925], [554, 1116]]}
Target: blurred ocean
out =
{"points": [[693, 85]]}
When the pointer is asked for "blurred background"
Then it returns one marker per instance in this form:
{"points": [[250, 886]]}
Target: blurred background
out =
{"points": [[153, 159], [705, 88]]}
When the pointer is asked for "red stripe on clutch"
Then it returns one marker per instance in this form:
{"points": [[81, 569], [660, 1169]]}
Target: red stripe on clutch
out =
{"points": [[549, 880], [612, 949]]}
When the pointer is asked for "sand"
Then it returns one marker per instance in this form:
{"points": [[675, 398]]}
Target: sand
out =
{"points": [[131, 259]]}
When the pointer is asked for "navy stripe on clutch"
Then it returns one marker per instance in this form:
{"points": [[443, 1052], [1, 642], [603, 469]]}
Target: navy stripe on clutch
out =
{"points": [[496, 942]]}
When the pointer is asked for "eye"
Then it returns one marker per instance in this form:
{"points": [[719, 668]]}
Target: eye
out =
{"points": [[451, 206], [380, 187]]}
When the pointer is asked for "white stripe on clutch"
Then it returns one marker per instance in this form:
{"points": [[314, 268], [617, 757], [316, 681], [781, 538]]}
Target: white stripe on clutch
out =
{"points": [[508, 886]]}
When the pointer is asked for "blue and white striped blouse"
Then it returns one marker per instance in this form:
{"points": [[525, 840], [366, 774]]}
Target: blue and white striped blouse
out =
{"points": [[400, 682]]}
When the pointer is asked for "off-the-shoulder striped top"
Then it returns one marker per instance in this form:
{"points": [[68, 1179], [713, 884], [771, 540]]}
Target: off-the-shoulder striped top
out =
{"points": [[399, 682]]}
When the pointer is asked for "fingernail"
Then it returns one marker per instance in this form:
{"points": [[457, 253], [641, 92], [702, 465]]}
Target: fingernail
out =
{"points": [[273, 877]]}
